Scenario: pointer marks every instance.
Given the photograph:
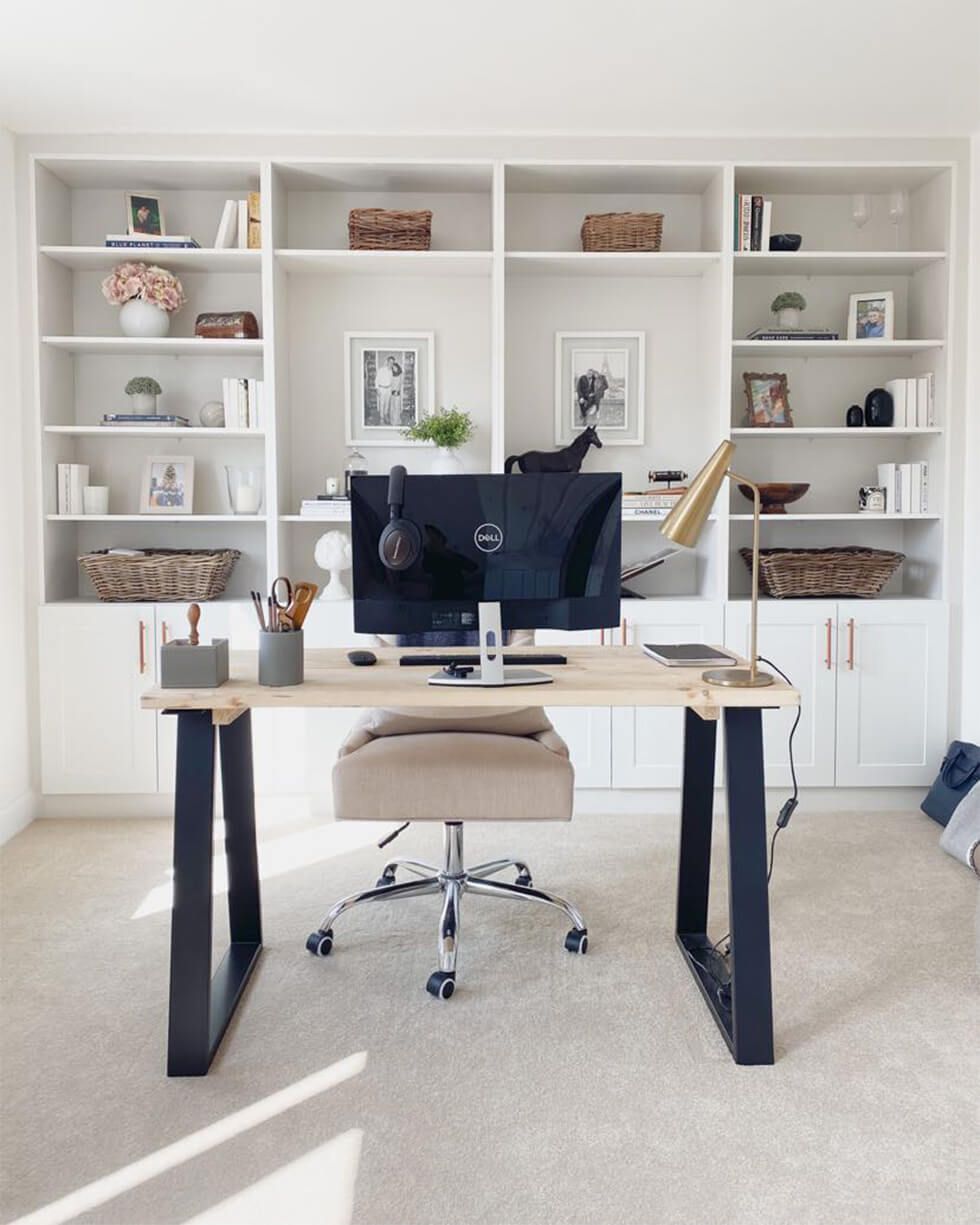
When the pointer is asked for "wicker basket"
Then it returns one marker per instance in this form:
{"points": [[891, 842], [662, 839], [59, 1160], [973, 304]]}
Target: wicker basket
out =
{"points": [[389, 229], [160, 574], [622, 231], [848, 571]]}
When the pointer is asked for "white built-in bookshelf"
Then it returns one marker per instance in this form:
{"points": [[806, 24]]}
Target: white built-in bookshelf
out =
{"points": [[505, 273]]}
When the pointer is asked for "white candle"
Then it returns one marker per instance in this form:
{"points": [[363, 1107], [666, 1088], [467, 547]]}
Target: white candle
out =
{"points": [[95, 499], [247, 500], [332, 485]]}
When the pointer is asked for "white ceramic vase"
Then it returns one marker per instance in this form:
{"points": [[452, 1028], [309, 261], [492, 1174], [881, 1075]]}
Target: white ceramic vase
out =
{"points": [[446, 462], [139, 318], [788, 317], [143, 402]]}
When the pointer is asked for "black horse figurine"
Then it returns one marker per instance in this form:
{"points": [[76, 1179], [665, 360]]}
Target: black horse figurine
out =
{"points": [[568, 459]]}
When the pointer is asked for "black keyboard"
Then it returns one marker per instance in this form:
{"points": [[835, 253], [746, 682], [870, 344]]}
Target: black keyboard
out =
{"points": [[468, 658]]}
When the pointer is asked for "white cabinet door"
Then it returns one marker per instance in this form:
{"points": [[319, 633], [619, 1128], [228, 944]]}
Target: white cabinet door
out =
{"points": [[585, 729], [800, 638], [95, 661], [891, 692], [648, 743]]}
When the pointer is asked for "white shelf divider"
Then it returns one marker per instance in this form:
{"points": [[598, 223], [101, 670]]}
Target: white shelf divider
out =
{"points": [[162, 346], [837, 348], [611, 263], [151, 431], [834, 263], [181, 259], [386, 263], [147, 519], [833, 517], [835, 431]]}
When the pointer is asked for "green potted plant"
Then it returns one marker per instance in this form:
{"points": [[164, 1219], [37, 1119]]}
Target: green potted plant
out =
{"points": [[143, 393], [449, 429], [786, 307]]}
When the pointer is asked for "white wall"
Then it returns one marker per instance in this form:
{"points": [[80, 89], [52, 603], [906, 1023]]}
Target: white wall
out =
{"points": [[16, 794], [969, 728]]}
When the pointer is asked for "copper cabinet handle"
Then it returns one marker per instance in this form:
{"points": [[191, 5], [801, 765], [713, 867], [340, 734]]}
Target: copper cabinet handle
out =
{"points": [[622, 633], [829, 659], [163, 633], [850, 645], [142, 646]]}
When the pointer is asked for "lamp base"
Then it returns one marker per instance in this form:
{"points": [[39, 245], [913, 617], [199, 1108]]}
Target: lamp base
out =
{"points": [[737, 678]]}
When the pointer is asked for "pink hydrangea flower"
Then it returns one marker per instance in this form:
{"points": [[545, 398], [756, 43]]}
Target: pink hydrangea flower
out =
{"points": [[146, 282]]}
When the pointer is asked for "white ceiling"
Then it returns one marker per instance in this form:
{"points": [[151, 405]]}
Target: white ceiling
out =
{"points": [[391, 66]]}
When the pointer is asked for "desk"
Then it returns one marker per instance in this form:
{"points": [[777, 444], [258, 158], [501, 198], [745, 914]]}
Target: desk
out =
{"points": [[201, 1005]]}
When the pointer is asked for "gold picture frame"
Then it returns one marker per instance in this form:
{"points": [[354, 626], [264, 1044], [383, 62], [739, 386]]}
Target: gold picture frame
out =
{"points": [[767, 396]]}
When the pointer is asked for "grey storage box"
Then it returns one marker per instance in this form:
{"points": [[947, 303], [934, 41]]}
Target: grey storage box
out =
{"points": [[202, 667]]}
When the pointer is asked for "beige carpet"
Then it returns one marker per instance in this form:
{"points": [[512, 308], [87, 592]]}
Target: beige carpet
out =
{"points": [[552, 1088]]}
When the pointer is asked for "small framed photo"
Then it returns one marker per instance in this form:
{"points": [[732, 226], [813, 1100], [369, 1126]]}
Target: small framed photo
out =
{"points": [[144, 214], [168, 485], [389, 385], [599, 380], [871, 316], [768, 401]]}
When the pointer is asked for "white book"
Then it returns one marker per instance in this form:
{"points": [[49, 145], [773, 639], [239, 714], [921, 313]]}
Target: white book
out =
{"points": [[225, 236], [745, 236], [905, 503], [63, 485], [243, 224], [915, 501], [226, 400], [911, 402], [766, 225], [922, 401], [886, 480], [253, 404], [897, 388], [72, 479], [242, 404], [924, 487], [931, 400]]}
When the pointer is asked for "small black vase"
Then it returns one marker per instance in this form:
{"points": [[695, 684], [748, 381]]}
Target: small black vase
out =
{"points": [[855, 415], [879, 408]]}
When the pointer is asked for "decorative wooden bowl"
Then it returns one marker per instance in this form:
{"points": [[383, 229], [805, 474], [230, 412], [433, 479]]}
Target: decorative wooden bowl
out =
{"points": [[775, 495]]}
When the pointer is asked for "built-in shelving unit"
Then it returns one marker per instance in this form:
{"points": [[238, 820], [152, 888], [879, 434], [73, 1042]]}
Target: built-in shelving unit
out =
{"points": [[505, 273]]}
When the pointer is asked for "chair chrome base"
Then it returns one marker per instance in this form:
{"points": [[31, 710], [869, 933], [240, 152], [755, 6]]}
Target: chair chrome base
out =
{"points": [[452, 880]]}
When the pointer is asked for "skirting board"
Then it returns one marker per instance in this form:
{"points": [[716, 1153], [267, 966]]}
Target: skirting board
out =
{"points": [[17, 815], [660, 802]]}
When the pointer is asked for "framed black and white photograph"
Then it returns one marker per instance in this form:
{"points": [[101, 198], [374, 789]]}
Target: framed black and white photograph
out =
{"points": [[144, 214], [389, 381], [871, 316], [167, 487], [599, 381]]}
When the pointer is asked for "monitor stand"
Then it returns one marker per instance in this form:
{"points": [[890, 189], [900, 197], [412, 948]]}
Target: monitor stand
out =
{"points": [[491, 672]]}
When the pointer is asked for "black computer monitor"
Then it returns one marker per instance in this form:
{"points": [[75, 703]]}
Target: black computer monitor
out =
{"points": [[545, 547]]}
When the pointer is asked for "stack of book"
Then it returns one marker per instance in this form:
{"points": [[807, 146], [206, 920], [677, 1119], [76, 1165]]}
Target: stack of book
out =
{"points": [[243, 403], [656, 503], [778, 333], [149, 421], [753, 223], [915, 401], [241, 224], [72, 479], [151, 242], [326, 506], [906, 488]]}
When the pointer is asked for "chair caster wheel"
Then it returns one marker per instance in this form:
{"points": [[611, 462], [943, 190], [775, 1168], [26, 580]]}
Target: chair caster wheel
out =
{"points": [[320, 943], [577, 941], [384, 881], [441, 984], [524, 879]]}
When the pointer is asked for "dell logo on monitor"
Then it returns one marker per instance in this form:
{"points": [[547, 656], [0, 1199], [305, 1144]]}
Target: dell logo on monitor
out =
{"points": [[488, 537]]}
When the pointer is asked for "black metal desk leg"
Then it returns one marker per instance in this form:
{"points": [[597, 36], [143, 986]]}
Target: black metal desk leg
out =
{"points": [[188, 1049], [752, 1041], [202, 1006], [696, 803]]}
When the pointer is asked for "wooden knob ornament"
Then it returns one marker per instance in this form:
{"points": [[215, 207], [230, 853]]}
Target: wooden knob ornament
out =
{"points": [[193, 617]]}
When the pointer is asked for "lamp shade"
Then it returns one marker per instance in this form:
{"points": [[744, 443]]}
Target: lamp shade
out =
{"points": [[684, 523]]}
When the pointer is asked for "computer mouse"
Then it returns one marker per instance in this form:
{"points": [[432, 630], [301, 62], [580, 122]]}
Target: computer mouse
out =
{"points": [[362, 659]]}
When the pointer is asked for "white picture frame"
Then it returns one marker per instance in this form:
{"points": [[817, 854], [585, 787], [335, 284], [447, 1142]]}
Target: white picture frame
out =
{"points": [[163, 493], [862, 311], [376, 415], [154, 226], [614, 399]]}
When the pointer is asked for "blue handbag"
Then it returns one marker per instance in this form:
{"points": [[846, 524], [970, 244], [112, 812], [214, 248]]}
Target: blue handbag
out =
{"points": [[958, 774]]}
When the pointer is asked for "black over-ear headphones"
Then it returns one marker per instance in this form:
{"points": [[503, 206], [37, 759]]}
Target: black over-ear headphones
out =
{"points": [[400, 543]]}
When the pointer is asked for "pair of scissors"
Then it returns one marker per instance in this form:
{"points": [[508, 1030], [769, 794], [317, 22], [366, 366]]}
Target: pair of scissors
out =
{"points": [[280, 599]]}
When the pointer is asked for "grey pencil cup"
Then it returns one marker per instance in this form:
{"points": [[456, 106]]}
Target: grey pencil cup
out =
{"points": [[281, 658]]}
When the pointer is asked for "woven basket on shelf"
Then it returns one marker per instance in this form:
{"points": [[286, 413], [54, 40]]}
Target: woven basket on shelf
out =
{"points": [[389, 229], [160, 574], [846, 571], [622, 231]]}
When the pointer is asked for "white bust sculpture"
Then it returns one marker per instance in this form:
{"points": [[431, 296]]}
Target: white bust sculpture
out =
{"points": [[333, 553]]}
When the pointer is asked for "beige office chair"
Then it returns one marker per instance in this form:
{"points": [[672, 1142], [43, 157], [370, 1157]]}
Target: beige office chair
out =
{"points": [[432, 764]]}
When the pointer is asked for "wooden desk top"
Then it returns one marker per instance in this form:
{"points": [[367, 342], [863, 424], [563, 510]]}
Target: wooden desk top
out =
{"points": [[593, 676]]}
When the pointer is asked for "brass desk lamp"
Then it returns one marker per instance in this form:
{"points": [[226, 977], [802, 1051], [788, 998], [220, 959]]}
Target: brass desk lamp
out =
{"points": [[683, 526]]}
